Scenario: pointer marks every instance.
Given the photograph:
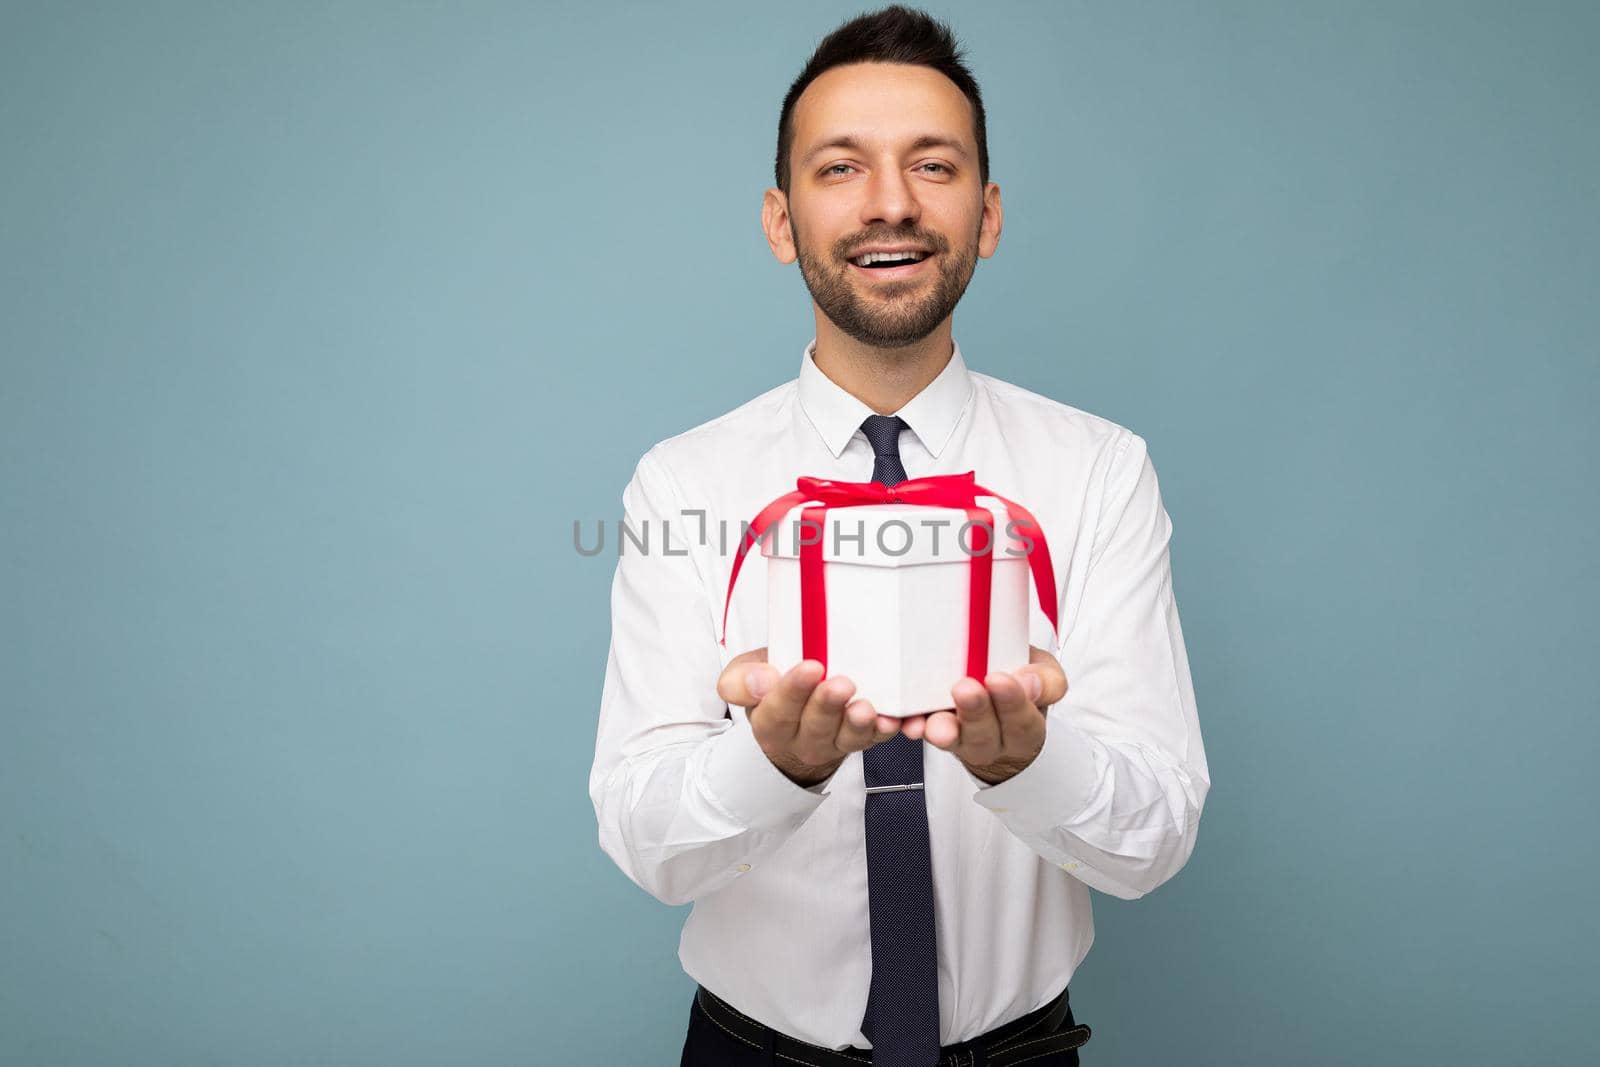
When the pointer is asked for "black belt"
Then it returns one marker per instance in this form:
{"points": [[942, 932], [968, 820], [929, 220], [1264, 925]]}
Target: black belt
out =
{"points": [[1013, 1042]]}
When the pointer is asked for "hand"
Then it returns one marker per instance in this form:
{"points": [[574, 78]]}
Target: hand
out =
{"points": [[806, 729], [996, 728]]}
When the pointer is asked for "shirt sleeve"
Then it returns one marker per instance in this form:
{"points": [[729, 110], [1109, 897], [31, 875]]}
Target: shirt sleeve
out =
{"points": [[685, 798], [1114, 796]]}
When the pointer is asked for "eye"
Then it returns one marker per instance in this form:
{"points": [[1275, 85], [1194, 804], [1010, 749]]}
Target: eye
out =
{"points": [[836, 166], [941, 166]]}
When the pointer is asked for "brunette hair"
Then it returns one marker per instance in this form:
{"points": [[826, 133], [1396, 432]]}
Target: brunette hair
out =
{"points": [[896, 34]]}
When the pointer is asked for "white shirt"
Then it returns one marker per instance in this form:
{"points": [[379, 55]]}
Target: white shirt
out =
{"points": [[691, 809]]}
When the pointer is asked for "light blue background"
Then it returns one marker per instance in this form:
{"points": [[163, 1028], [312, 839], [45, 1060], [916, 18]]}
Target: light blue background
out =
{"points": [[322, 322]]}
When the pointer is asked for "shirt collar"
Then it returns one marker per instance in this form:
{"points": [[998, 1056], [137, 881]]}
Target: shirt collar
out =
{"points": [[932, 414]]}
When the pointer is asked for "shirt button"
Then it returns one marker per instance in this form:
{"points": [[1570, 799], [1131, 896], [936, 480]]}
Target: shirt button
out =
{"points": [[999, 809], [743, 867], [1069, 866]]}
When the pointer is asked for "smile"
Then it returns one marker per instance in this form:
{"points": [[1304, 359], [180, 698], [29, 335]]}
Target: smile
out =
{"points": [[887, 266]]}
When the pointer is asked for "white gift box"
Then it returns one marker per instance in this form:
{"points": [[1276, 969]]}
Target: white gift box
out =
{"points": [[897, 590]]}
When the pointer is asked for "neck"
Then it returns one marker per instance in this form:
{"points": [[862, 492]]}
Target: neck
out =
{"points": [[884, 379]]}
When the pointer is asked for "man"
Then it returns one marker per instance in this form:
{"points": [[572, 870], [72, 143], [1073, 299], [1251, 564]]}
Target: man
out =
{"points": [[919, 887]]}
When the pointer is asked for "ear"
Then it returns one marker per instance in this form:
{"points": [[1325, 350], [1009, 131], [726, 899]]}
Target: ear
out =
{"points": [[989, 230], [775, 221]]}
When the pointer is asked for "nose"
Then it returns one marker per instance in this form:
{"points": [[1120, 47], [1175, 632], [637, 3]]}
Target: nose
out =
{"points": [[890, 199]]}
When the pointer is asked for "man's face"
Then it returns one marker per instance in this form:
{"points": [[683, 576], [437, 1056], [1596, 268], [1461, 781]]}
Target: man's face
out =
{"points": [[908, 179]]}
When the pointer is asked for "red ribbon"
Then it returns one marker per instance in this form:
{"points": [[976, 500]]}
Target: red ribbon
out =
{"points": [[940, 491]]}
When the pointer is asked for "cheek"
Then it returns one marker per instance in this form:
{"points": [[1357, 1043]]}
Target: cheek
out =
{"points": [[824, 226]]}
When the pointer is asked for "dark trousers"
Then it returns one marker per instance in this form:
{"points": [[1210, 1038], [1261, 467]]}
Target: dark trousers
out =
{"points": [[710, 1045]]}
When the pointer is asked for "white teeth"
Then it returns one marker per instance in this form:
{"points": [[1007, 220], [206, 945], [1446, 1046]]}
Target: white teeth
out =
{"points": [[876, 257]]}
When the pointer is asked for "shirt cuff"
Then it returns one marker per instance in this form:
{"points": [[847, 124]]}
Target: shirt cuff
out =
{"points": [[745, 784], [1055, 789]]}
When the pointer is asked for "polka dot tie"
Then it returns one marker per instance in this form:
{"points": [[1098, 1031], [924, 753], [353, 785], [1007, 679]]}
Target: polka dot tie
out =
{"points": [[902, 1019]]}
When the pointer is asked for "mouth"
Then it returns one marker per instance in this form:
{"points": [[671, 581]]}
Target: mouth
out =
{"points": [[891, 265]]}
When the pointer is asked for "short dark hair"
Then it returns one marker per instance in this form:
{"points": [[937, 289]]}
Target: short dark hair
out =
{"points": [[897, 34]]}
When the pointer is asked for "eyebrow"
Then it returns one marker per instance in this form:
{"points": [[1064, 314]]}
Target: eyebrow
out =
{"points": [[927, 140]]}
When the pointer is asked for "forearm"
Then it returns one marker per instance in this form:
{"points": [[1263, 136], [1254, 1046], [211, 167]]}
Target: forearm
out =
{"points": [[686, 819], [1121, 816]]}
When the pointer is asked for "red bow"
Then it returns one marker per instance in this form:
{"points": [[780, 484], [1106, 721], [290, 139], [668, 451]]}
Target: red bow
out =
{"points": [[939, 490]]}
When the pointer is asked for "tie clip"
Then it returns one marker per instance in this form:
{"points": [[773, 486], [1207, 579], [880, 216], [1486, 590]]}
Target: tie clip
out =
{"points": [[892, 788]]}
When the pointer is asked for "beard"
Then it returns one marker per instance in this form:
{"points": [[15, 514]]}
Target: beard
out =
{"points": [[887, 314]]}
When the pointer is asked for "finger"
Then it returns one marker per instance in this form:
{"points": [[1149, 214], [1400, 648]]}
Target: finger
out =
{"points": [[862, 727], [733, 686], [1052, 679], [821, 719], [979, 731], [913, 725], [943, 730], [777, 716], [1021, 722]]}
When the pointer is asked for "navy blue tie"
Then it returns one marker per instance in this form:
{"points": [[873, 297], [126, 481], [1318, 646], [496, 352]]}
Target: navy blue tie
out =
{"points": [[902, 1019]]}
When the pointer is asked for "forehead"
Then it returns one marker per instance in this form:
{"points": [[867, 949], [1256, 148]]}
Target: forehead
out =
{"points": [[880, 102]]}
